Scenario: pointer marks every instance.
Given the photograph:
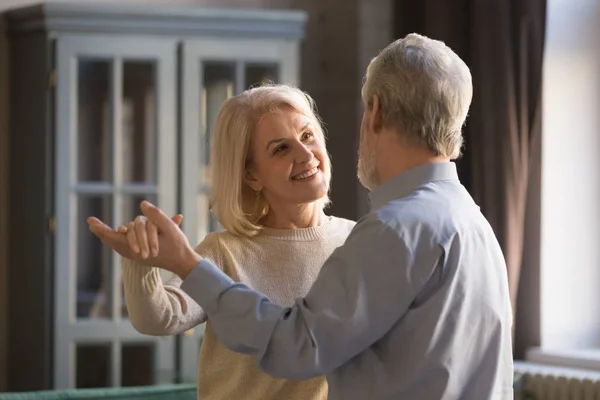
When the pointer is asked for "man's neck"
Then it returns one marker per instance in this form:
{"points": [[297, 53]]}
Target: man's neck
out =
{"points": [[395, 158]]}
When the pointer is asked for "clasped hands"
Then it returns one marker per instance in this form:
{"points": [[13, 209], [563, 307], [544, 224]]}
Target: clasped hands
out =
{"points": [[152, 239]]}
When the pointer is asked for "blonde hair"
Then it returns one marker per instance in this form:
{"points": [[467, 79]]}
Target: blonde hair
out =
{"points": [[424, 89], [233, 203]]}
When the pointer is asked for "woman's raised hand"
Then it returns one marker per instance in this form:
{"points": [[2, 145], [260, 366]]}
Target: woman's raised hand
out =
{"points": [[142, 235], [136, 240], [175, 255]]}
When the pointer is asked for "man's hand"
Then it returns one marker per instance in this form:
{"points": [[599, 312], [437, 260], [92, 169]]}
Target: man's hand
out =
{"points": [[175, 253], [142, 235]]}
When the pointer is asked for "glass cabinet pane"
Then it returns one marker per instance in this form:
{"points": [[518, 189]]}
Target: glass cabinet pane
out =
{"points": [[256, 74], [219, 84], [130, 205], [117, 138], [94, 134], [137, 364], [92, 366], [204, 217], [94, 260], [139, 148]]}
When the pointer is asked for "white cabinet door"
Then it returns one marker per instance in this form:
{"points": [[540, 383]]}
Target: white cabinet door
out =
{"points": [[214, 70], [116, 145]]}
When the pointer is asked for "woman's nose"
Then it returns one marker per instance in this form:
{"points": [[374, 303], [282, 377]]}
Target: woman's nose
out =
{"points": [[304, 154]]}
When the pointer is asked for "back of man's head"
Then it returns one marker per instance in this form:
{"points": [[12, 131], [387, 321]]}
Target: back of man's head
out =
{"points": [[425, 91]]}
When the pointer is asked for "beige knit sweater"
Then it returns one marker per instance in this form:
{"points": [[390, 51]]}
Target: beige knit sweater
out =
{"points": [[281, 263]]}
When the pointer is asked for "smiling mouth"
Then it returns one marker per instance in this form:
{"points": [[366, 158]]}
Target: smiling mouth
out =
{"points": [[305, 175]]}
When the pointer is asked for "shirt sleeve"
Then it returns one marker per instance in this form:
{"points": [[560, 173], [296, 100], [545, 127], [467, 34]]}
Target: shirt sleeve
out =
{"points": [[363, 289]]}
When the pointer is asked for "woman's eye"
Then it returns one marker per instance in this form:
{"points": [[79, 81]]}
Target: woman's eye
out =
{"points": [[279, 149], [308, 135]]}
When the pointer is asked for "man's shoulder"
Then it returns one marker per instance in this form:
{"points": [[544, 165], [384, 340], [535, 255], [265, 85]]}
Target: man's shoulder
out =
{"points": [[405, 213], [427, 212]]}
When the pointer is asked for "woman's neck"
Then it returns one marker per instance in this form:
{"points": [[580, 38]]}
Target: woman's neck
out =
{"points": [[294, 217]]}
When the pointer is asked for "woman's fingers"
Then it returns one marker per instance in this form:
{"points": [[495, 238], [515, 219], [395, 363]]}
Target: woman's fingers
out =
{"points": [[111, 238], [142, 236], [177, 219], [132, 237], [152, 232]]}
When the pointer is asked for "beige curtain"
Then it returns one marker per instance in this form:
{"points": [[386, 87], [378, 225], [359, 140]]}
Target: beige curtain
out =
{"points": [[506, 122]]}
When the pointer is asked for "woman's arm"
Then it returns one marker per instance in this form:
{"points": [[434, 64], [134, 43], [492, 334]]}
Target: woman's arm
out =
{"points": [[163, 309], [155, 308]]}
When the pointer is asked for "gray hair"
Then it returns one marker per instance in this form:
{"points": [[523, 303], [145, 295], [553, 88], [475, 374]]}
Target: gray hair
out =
{"points": [[424, 90]]}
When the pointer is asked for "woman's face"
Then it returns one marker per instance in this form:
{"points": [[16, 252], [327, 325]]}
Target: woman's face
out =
{"points": [[289, 163]]}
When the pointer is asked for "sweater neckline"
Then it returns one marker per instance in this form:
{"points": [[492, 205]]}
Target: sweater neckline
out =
{"points": [[302, 234]]}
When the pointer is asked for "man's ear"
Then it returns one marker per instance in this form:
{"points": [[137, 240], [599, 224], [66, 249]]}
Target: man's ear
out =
{"points": [[251, 181], [376, 120]]}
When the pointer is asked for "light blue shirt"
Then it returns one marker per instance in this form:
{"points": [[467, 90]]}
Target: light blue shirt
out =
{"points": [[414, 305]]}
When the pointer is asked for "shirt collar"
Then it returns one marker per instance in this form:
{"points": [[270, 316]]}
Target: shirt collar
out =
{"points": [[406, 182]]}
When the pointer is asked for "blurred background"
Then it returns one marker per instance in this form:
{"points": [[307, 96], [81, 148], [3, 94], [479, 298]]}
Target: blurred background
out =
{"points": [[103, 104]]}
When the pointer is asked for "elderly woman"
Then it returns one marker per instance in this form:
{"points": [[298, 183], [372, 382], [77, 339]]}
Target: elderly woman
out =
{"points": [[271, 176]]}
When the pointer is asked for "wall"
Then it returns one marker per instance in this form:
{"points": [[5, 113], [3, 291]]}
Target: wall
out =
{"points": [[341, 39], [376, 21], [570, 251], [3, 206]]}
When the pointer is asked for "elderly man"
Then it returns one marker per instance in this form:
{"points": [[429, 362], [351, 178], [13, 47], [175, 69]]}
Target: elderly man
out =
{"points": [[415, 304]]}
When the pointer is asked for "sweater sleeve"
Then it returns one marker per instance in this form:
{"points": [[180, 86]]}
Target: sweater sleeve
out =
{"points": [[157, 308]]}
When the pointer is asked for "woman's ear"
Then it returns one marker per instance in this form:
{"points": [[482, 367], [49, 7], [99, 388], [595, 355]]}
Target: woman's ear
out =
{"points": [[251, 181]]}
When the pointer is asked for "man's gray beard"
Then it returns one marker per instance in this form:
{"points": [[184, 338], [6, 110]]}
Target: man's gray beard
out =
{"points": [[367, 174]]}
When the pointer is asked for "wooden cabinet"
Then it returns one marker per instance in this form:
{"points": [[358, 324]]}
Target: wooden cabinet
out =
{"points": [[111, 104]]}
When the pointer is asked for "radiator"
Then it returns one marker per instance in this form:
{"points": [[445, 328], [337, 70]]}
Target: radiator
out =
{"points": [[541, 382]]}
